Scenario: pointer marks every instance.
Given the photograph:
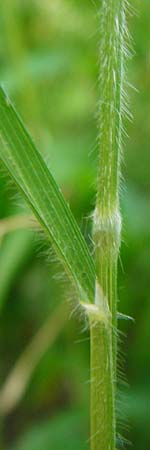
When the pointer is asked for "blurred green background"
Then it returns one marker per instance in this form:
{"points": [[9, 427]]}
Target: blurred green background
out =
{"points": [[48, 54]]}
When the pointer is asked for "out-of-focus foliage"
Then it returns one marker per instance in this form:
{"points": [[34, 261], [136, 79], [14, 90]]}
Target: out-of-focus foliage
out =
{"points": [[63, 432], [49, 54]]}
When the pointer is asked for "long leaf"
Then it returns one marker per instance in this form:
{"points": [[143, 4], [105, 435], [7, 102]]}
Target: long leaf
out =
{"points": [[34, 180]]}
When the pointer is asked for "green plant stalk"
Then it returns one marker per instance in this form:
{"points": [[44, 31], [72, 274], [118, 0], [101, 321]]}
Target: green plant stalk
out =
{"points": [[101, 365], [107, 227]]}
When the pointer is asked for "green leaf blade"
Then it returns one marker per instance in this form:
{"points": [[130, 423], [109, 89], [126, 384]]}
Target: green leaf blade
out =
{"points": [[34, 180]]}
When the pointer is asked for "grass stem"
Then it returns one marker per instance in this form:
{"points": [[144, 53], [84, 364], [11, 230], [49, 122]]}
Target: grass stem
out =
{"points": [[107, 226]]}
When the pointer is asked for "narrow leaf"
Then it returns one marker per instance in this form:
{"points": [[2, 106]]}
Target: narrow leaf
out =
{"points": [[37, 185]]}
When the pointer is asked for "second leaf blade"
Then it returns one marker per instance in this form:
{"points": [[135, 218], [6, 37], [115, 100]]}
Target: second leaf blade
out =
{"points": [[34, 180]]}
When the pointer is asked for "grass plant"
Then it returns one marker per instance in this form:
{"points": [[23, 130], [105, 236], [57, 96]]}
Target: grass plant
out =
{"points": [[94, 279]]}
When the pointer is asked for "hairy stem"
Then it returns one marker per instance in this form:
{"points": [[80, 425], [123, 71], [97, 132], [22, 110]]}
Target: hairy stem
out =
{"points": [[102, 395], [107, 226]]}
